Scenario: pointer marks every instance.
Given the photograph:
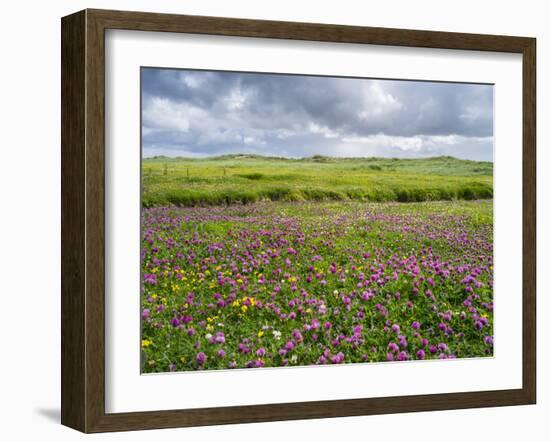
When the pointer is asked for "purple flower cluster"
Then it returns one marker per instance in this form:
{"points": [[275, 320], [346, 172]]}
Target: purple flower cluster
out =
{"points": [[302, 283]]}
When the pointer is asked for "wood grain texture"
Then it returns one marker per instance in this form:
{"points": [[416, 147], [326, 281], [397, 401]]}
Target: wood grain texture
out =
{"points": [[529, 220], [308, 410], [83, 220], [144, 21], [95, 221], [73, 253]]}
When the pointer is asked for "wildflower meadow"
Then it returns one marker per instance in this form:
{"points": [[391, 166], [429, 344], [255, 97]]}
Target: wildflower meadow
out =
{"points": [[273, 284]]}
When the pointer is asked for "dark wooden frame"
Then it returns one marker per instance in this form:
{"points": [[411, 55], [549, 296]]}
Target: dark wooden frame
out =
{"points": [[83, 216]]}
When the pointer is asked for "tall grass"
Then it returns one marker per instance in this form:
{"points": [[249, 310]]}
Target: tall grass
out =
{"points": [[248, 179]]}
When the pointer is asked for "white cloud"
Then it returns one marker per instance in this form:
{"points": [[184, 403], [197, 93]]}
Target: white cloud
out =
{"points": [[283, 134], [193, 79], [270, 114], [322, 130], [171, 151], [413, 144], [161, 113], [378, 102], [416, 146], [236, 99], [253, 141]]}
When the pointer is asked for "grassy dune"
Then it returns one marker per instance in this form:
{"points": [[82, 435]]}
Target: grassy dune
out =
{"points": [[248, 178]]}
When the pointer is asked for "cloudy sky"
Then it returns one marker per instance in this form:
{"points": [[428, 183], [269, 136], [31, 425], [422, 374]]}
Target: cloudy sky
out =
{"points": [[202, 113]]}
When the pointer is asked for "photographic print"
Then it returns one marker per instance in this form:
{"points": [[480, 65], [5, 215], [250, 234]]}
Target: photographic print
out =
{"points": [[285, 220], [297, 220]]}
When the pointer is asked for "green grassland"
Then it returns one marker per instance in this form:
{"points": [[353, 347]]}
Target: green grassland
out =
{"points": [[237, 179]]}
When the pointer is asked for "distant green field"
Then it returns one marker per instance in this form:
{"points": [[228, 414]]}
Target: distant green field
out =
{"points": [[234, 179]]}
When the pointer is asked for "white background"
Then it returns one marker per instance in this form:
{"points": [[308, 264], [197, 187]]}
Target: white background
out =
{"points": [[128, 391], [30, 221]]}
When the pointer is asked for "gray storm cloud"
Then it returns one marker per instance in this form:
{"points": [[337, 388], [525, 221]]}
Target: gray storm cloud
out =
{"points": [[200, 113]]}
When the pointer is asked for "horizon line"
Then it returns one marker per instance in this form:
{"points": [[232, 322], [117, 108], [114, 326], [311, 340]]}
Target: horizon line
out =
{"points": [[297, 158]]}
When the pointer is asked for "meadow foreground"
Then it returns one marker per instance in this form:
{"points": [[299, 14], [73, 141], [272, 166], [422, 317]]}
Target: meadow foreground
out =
{"points": [[273, 284]]}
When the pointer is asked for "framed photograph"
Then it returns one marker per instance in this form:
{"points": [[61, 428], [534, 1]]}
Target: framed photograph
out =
{"points": [[268, 220]]}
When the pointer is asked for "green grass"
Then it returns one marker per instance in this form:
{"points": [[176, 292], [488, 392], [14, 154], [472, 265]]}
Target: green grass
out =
{"points": [[258, 273], [234, 179]]}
